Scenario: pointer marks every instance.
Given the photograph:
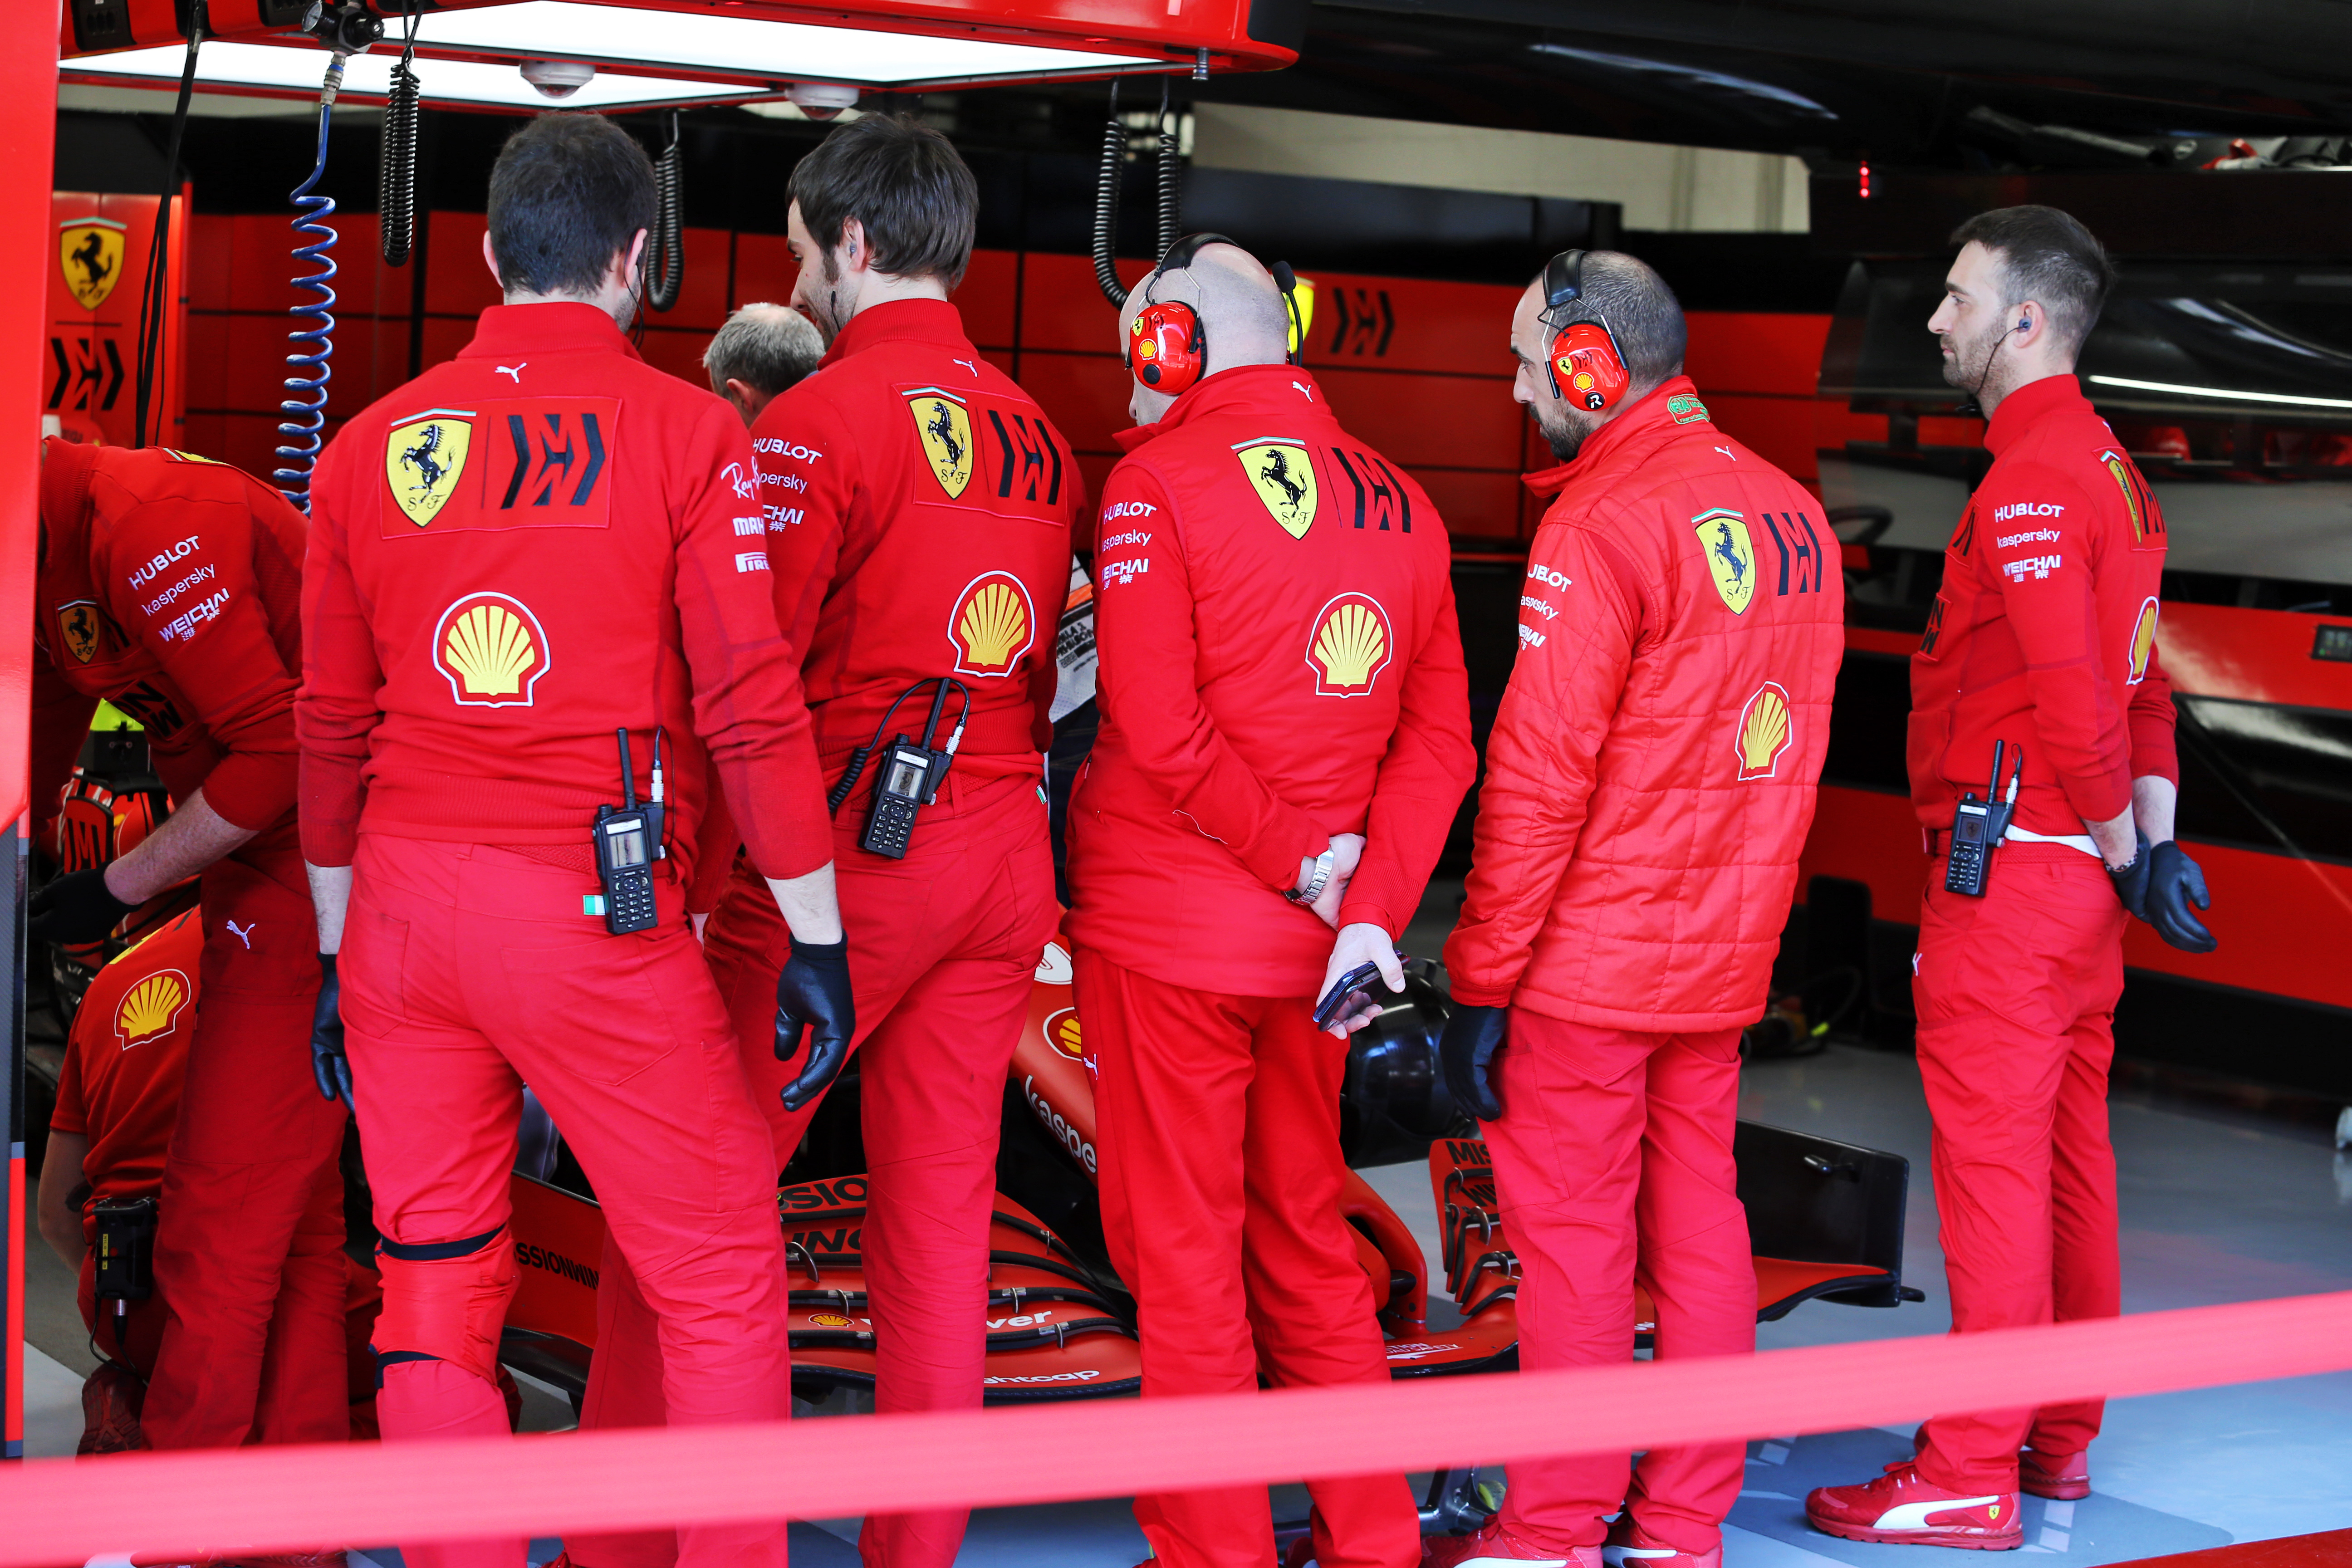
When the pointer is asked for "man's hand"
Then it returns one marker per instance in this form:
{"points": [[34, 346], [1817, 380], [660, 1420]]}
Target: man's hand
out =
{"points": [[1361, 943], [1346, 853], [75, 909], [2173, 882], [329, 1064], [2130, 876], [813, 992], [1473, 1036]]}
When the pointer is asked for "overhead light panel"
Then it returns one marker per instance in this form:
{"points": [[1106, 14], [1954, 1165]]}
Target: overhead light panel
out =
{"points": [[270, 68]]}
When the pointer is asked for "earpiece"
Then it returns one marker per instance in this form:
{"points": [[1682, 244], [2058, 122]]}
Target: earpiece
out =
{"points": [[1167, 346], [1584, 362]]}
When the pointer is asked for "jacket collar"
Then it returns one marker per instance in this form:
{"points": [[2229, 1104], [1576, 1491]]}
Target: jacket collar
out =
{"points": [[900, 320], [1647, 421], [557, 326], [1261, 389], [2028, 405]]}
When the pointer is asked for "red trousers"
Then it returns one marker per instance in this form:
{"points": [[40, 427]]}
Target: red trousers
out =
{"points": [[250, 1233], [943, 950], [467, 972], [1612, 1165], [2016, 994], [1218, 1128]]}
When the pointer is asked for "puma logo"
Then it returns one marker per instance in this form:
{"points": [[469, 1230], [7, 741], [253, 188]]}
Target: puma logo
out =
{"points": [[968, 366], [1728, 453], [1305, 391], [513, 370], [241, 933]]}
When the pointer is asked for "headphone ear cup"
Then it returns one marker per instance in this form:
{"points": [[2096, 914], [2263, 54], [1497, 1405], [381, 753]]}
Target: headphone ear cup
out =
{"points": [[1586, 368], [1165, 347]]}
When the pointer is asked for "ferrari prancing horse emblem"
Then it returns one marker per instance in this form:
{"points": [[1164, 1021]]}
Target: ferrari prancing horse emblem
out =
{"points": [[1284, 477], [945, 426]]}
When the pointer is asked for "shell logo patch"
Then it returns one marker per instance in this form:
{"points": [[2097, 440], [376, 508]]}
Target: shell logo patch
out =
{"points": [[2131, 497], [422, 458], [1351, 644], [79, 630], [152, 1008], [492, 650], [991, 626], [1284, 477], [945, 428], [832, 1320], [2143, 640], [1730, 557], [1766, 727], [1061, 1034], [90, 252]]}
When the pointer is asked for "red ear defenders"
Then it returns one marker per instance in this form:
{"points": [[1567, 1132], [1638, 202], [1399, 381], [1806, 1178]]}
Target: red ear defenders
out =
{"points": [[1582, 360], [1167, 344]]}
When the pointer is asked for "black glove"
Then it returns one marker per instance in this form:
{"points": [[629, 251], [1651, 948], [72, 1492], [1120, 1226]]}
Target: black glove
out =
{"points": [[2175, 882], [2131, 878], [329, 1064], [75, 909], [814, 990], [1473, 1036]]}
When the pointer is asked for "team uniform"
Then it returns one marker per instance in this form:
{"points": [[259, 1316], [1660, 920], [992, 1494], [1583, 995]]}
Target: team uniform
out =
{"points": [[1650, 781], [526, 548], [1279, 662], [169, 586], [917, 508], [2043, 635]]}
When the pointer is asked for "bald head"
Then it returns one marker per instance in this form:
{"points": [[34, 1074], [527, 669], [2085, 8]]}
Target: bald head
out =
{"points": [[1243, 318]]}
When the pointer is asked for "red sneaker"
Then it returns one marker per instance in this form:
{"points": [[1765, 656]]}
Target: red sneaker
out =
{"points": [[1494, 1547], [2061, 1477], [110, 1399], [1630, 1546], [1904, 1507]]}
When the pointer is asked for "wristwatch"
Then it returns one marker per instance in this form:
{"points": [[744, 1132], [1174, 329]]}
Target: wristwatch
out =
{"points": [[1316, 882]]}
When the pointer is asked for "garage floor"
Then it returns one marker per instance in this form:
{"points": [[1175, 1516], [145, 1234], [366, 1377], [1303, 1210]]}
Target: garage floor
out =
{"points": [[2218, 1206]]}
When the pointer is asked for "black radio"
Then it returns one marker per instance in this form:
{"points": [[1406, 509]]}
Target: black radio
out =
{"points": [[124, 1264], [628, 841], [911, 777], [1978, 825]]}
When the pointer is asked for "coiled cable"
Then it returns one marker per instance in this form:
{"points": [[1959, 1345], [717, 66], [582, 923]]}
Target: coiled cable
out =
{"points": [[397, 165], [665, 260], [306, 406], [1114, 156], [1172, 178]]}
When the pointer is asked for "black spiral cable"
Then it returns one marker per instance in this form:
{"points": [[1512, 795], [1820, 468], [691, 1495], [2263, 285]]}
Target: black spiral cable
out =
{"points": [[665, 248], [396, 161], [1114, 156], [1172, 178]]}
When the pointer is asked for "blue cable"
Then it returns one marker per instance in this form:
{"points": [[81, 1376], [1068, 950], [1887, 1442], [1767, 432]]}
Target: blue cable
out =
{"points": [[306, 406]]}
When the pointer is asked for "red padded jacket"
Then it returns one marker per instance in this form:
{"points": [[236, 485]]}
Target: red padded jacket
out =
{"points": [[1650, 778], [1280, 661], [2044, 634]]}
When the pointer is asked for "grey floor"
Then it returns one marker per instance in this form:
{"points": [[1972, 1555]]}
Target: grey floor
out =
{"points": [[2217, 1207]]}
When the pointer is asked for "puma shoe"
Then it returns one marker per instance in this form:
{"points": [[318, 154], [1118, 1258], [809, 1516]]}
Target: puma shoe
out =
{"points": [[1494, 1547], [1630, 1546], [1904, 1507], [2060, 1476]]}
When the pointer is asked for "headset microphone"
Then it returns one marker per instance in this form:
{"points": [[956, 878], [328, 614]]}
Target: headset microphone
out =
{"points": [[1583, 359]]}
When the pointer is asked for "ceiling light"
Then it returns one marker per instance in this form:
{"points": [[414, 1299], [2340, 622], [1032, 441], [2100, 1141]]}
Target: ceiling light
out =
{"points": [[1751, 93], [268, 68], [558, 79], [2287, 397]]}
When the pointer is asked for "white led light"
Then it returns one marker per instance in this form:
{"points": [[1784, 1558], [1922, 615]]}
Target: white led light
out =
{"points": [[2287, 397], [784, 51], [270, 69]]}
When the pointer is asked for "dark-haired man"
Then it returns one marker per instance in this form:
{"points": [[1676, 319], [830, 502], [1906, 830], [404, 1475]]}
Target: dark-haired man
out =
{"points": [[523, 551], [1650, 781], [920, 507], [2042, 642], [1285, 738], [759, 352]]}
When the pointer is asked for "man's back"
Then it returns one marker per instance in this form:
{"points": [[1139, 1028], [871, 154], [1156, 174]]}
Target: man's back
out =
{"points": [[1259, 567], [1683, 608]]}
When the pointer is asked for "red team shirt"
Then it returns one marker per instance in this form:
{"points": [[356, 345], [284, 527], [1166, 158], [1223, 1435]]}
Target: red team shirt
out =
{"points": [[127, 1057], [525, 548], [2044, 632]]}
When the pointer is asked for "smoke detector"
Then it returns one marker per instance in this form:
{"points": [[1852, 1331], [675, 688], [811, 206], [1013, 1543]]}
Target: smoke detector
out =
{"points": [[819, 100], [558, 79]]}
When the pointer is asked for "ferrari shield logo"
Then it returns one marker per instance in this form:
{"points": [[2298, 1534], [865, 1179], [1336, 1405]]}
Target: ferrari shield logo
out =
{"points": [[422, 458], [78, 629], [1730, 558], [946, 429], [1284, 480], [89, 249]]}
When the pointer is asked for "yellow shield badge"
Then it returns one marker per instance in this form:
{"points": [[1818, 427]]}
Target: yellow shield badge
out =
{"points": [[422, 458], [946, 429], [89, 249], [79, 629], [1730, 557], [1284, 477]]}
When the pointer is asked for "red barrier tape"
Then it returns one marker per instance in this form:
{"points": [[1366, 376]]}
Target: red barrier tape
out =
{"points": [[55, 1511]]}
